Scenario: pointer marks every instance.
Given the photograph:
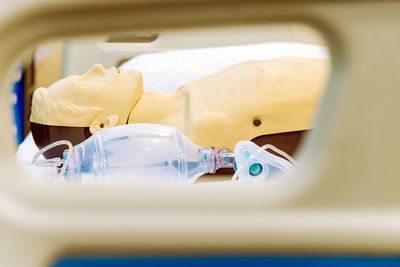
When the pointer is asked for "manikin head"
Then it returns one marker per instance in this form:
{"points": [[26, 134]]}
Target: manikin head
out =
{"points": [[98, 97], [77, 106]]}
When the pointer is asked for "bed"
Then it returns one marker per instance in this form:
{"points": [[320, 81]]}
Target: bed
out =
{"points": [[167, 71]]}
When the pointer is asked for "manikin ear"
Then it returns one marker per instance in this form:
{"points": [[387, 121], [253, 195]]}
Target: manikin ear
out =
{"points": [[108, 122]]}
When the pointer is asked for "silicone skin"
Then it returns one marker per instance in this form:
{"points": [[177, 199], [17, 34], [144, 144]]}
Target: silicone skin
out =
{"points": [[98, 99], [221, 109], [216, 111]]}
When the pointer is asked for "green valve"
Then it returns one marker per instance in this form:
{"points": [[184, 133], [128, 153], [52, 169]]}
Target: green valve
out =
{"points": [[205, 156], [255, 169]]}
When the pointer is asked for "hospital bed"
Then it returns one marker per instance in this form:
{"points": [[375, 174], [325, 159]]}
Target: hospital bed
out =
{"points": [[343, 199], [168, 71]]}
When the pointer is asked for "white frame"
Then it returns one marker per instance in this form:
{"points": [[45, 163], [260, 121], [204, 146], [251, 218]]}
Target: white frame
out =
{"points": [[344, 198]]}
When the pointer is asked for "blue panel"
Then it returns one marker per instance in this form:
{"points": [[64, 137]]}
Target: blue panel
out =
{"points": [[232, 261], [18, 105]]}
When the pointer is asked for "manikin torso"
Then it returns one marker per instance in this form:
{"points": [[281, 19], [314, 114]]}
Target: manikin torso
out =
{"points": [[240, 103]]}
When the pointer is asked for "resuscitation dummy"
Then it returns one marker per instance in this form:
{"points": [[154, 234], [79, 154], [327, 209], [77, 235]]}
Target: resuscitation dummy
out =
{"points": [[239, 103]]}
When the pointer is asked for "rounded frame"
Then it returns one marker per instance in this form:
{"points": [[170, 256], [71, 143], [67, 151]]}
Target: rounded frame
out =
{"points": [[321, 209]]}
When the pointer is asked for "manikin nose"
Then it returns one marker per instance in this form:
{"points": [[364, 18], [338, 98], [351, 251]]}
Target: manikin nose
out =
{"points": [[97, 69]]}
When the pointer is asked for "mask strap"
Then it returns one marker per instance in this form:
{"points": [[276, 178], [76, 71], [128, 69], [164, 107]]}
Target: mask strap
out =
{"points": [[261, 149], [56, 162]]}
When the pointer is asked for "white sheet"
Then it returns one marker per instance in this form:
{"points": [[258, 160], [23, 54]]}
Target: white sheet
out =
{"points": [[167, 71]]}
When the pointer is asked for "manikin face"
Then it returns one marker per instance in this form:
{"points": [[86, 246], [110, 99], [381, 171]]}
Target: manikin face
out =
{"points": [[98, 99]]}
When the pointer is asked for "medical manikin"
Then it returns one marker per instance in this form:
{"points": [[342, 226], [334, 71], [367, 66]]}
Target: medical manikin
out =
{"points": [[219, 110]]}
